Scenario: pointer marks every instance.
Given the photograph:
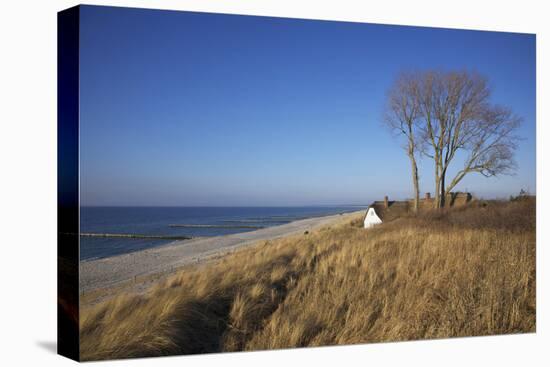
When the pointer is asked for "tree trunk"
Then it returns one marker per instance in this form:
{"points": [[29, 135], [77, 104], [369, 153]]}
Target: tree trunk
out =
{"points": [[437, 199], [442, 188], [414, 170]]}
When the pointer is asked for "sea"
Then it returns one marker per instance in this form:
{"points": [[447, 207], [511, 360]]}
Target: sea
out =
{"points": [[180, 221]]}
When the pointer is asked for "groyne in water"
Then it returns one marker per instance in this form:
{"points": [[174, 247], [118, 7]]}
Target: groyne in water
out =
{"points": [[130, 235]]}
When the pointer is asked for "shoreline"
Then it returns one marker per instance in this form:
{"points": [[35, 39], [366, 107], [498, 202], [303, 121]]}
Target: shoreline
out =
{"points": [[111, 271]]}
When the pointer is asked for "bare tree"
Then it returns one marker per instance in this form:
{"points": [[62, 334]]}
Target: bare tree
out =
{"points": [[458, 116], [401, 115]]}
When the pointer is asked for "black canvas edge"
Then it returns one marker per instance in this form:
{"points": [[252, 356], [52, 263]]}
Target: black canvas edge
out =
{"points": [[68, 43]]}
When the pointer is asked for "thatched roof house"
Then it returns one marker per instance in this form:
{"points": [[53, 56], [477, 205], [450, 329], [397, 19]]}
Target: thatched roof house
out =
{"points": [[381, 211], [386, 210]]}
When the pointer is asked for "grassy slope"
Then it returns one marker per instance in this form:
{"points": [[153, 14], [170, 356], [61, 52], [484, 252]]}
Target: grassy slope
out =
{"points": [[469, 271]]}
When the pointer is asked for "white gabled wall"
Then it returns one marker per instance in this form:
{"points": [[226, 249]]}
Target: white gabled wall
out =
{"points": [[371, 218]]}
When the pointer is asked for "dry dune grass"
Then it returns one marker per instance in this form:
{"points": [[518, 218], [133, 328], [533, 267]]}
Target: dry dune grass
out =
{"points": [[465, 271]]}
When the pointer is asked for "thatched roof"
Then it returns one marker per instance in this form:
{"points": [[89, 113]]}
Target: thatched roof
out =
{"points": [[395, 209]]}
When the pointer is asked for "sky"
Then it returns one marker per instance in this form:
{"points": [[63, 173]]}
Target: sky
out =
{"points": [[198, 109]]}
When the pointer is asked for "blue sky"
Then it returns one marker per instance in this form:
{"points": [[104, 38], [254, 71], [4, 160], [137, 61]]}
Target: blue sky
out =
{"points": [[195, 109]]}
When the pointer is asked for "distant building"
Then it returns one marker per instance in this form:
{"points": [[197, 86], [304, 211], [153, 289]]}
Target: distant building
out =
{"points": [[386, 210], [452, 199]]}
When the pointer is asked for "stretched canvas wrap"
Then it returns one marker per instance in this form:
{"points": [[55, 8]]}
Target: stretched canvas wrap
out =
{"points": [[238, 183]]}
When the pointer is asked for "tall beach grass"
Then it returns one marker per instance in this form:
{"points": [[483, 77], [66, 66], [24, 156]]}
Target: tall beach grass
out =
{"points": [[460, 272]]}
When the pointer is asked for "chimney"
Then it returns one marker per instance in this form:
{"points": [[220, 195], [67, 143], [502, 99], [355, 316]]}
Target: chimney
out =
{"points": [[386, 201], [428, 196]]}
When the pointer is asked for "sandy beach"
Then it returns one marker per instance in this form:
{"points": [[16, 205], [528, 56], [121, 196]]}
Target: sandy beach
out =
{"points": [[106, 272]]}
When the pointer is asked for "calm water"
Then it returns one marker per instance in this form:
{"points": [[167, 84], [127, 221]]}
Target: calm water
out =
{"points": [[157, 221]]}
